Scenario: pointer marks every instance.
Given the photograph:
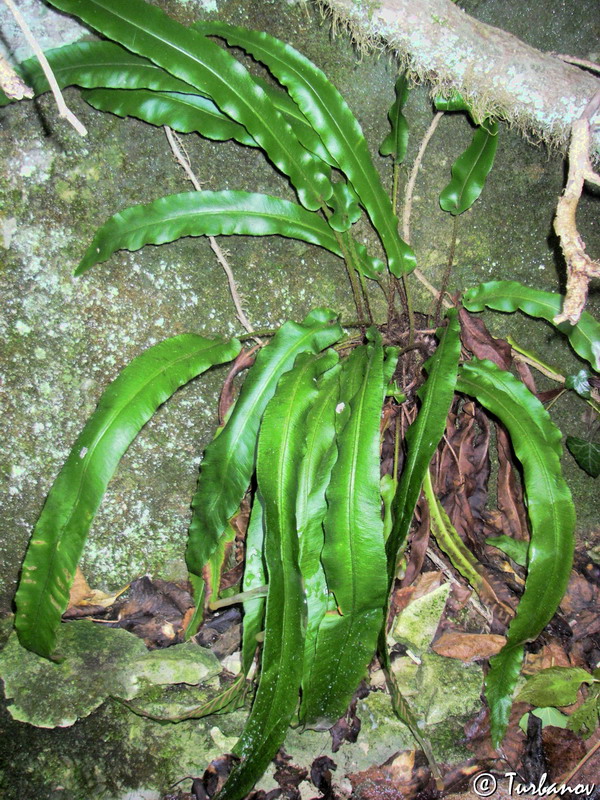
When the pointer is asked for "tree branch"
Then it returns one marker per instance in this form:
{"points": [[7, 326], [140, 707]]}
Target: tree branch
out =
{"points": [[496, 73]]}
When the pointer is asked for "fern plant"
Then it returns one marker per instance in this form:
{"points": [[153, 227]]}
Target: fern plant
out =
{"points": [[304, 432]]}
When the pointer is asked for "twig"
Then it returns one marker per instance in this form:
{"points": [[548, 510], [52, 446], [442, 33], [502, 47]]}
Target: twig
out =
{"points": [[447, 272], [63, 110], [430, 287], [580, 267], [184, 162], [410, 186], [408, 201]]}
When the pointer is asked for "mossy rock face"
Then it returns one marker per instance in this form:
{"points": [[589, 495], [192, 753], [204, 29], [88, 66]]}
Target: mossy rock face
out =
{"points": [[418, 622], [97, 662]]}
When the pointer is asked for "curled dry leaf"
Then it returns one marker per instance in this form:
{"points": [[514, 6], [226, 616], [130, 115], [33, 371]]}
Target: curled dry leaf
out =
{"points": [[476, 338], [510, 494]]}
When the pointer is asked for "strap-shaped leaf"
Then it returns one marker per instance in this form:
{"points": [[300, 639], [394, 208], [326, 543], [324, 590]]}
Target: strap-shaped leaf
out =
{"points": [[509, 296], [352, 524], [59, 536], [449, 541], [346, 210], [536, 442], [280, 449], [183, 52], [306, 134], [396, 142], [229, 459], [93, 64], [192, 112], [329, 114], [255, 576], [425, 433], [470, 170], [313, 478], [206, 214], [354, 551], [182, 112]]}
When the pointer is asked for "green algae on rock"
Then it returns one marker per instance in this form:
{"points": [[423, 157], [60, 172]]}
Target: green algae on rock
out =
{"points": [[99, 662], [418, 622]]}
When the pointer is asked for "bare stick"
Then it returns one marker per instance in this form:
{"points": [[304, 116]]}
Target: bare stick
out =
{"points": [[63, 110], [410, 186], [408, 201], [184, 162]]}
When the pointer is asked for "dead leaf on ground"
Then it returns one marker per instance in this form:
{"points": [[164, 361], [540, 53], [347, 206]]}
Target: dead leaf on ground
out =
{"points": [[563, 750], [347, 728], [425, 583], [155, 610], [510, 495], [468, 646], [462, 473], [533, 763], [85, 601], [320, 775], [551, 654], [479, 740], [221, 631], [288, 775], [213, 778], [581, 594], [419, 543]]}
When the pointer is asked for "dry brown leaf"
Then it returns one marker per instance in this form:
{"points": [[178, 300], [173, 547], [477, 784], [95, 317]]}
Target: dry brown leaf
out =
{"points": [[581, 594], [462, 473], [479, 740], [82, 595], [525, 375], [468, 646], [427, 582], [402, 765], [476, 338], [418, 547], [563, 750], [551, 655], [510, 495]]}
